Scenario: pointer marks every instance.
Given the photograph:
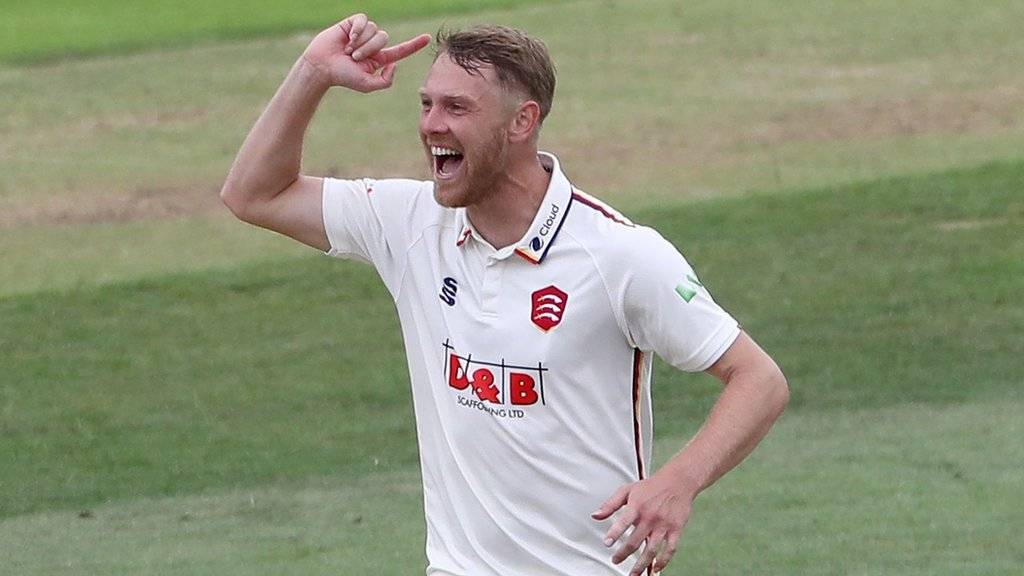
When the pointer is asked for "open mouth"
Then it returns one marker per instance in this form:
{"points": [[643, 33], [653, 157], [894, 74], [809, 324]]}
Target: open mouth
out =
{"points": [[446, 161]]}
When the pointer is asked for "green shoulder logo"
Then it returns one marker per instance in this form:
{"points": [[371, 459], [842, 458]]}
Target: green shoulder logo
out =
{"points": [[688, 289]]}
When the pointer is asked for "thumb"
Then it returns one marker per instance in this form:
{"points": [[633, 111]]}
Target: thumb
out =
{"points": [[379, 81], [609, 506]]}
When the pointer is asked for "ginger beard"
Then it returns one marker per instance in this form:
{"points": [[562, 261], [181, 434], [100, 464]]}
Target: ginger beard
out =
{"points": [[471, 176]]}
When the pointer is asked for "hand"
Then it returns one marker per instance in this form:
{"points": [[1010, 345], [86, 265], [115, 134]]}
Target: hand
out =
{"points": [[657, 508], [351, 54]]}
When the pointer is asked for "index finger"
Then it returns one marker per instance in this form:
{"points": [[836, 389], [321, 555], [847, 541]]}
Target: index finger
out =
{"points": [[403, 50]]}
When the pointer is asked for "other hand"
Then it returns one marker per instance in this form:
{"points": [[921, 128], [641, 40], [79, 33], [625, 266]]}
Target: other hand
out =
{"points": [[657, 508], [352, 54]]}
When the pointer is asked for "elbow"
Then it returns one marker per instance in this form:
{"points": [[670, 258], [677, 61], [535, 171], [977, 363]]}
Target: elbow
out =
{"points": [[234, 200], [230, 197], [780, 389]]}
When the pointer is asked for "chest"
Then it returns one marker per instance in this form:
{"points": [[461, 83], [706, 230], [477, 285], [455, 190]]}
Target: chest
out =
{"points": [[508, 341], [502, 307]]}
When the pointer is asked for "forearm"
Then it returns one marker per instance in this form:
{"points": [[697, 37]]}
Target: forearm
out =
{"points": [[271, 156], [749, 405]]}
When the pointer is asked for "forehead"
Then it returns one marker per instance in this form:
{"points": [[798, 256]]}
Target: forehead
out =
{"points": [[446, 78]]}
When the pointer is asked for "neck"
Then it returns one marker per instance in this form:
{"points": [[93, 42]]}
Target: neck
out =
{"points": [[505, 216]]}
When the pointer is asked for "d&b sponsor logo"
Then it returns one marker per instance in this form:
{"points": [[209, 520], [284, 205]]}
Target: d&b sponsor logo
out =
{"points": [[495, 387]]}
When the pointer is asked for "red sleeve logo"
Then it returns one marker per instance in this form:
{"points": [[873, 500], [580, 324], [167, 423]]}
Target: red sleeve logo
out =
{"points": [[548, 307]]}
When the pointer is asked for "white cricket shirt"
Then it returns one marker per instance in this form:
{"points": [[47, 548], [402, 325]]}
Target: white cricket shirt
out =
{"points": [[530, 365]]}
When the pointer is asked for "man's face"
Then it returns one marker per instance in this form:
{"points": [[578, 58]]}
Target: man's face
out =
{"points": [[463, 127]]}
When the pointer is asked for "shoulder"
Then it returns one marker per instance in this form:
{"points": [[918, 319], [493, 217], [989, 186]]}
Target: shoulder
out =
{"points": [[389, 188], [613, 240], [406, 199]]}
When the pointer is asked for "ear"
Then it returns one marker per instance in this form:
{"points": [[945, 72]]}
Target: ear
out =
{"points": [[525, 121]]}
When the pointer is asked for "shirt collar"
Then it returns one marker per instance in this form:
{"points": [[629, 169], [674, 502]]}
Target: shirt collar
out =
{"points": [[538, 239]]}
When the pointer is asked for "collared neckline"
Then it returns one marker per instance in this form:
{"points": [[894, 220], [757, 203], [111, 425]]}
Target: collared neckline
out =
{"points": [[534, 245]]}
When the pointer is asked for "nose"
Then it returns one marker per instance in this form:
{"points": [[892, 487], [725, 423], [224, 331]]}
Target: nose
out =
{"points": [[432, 122]]}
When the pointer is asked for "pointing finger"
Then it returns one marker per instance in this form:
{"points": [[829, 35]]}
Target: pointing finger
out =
{"points": [[403, 50]]}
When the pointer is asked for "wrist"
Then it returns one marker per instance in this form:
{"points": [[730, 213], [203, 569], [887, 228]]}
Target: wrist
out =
{"points": [[312, 75], [684, 476]]}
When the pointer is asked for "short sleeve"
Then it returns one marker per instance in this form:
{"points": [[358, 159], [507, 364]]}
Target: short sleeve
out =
{"points": [[667, 310], [372, 221]]}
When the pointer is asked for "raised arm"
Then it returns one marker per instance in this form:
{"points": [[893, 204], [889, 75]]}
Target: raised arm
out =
{"points": [[265, 186]]}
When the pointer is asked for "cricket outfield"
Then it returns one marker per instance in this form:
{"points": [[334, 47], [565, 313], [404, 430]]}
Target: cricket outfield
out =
{"points": [[183, 395]]}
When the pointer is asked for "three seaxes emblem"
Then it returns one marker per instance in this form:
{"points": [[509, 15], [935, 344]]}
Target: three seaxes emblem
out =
{"points": [[548, 307]]}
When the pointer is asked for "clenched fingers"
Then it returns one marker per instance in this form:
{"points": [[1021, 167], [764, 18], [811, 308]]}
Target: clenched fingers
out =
{"points": [[372, 46], [353, 27], [357, 41]]}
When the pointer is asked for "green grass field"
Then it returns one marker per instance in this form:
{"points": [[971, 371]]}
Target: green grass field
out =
{"points": [[182, 395], [719, 98], [58, 29]]}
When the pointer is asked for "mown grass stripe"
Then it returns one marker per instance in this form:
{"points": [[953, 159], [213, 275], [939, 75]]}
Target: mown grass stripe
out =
{"points": [[36, 32], [908, 489]]}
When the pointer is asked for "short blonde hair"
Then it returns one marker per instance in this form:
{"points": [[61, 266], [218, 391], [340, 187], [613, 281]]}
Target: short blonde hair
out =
{"points": [[521, 63]]}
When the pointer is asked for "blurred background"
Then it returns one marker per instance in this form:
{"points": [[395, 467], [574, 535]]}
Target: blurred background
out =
{"points": [[183, 394]]}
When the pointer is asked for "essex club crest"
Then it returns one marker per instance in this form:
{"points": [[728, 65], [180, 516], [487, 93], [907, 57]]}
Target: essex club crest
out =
{"points": [[548, 307]]}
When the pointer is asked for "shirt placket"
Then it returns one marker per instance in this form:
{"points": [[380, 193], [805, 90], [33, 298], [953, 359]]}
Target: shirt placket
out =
{"points": [[494, 269]]}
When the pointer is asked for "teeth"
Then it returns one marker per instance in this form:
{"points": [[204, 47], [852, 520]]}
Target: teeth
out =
{"points": [[438, 151]]}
